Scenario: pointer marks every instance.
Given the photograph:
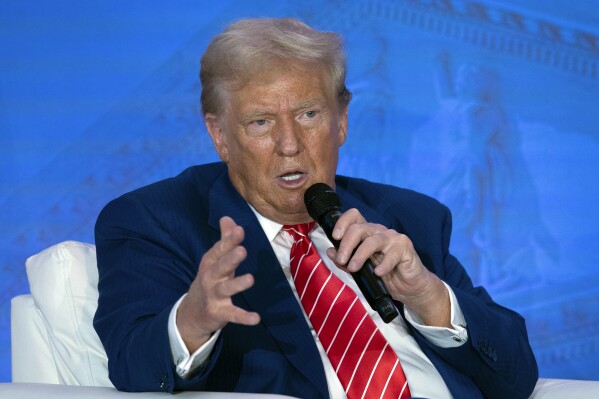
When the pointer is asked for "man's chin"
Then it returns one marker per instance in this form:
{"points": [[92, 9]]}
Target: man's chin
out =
{"points": [[293, 214]]}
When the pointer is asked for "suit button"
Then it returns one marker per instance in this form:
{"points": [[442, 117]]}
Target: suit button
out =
{"points": [[164, 385]]}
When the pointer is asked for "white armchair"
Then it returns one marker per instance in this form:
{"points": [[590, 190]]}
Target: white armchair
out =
{"points": [[53, 338], [56, 353]]}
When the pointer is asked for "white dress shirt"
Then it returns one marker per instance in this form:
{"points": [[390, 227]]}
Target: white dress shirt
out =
{"points": [[423, 378]]}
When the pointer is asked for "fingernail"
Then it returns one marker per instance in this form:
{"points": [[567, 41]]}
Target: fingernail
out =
{"points": [[351, 266], [337, 233]]}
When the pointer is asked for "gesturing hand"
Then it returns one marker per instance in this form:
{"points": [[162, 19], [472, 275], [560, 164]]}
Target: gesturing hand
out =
{"points": [[397, 263], [208, 305]]}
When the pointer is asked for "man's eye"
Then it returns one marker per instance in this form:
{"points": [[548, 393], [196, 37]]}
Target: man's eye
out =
{"points": [[311, 114], [260, 122]]}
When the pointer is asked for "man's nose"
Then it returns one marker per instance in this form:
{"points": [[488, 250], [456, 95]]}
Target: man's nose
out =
{"points": [[288, 139]]}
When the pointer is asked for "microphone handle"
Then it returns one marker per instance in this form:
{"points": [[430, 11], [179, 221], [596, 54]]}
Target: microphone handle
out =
{"points": [[371, 285]]}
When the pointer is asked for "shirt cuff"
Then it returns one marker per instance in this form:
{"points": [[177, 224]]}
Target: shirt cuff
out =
{"points": [[442, 336], [185, 363]]}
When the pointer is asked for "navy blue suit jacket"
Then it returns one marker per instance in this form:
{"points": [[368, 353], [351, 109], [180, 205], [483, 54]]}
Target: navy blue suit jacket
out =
{"points": [[150, 243]]}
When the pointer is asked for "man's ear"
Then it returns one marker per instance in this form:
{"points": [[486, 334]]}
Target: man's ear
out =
{"points": [[342, 125], [217, 133]]}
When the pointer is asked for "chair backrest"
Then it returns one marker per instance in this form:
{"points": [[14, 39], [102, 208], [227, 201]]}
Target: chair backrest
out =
{"points": [[53, 339]]}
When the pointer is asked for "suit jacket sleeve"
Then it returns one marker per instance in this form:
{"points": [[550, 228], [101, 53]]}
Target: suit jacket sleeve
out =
{"points": [[497, 356], [143, 271]]}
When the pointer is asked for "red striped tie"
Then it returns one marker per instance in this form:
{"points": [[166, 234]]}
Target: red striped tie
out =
{"points": [[362, 358]]}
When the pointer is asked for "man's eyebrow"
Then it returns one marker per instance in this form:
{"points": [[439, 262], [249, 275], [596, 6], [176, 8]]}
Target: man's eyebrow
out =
{"points": [[257, 113], [310, 103], [253, 114]]}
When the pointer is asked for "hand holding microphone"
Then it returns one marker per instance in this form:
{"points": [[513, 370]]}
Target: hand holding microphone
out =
{"points": [[400, 274], [324, 206]]}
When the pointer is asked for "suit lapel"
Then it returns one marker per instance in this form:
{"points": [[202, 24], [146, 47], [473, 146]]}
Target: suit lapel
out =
{"points": [[271, 297], [348, 201]]}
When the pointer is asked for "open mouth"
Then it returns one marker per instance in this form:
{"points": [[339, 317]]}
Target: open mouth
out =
{"points": [[292, 176]]}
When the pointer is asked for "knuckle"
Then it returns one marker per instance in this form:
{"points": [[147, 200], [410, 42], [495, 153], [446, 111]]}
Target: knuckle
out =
{"points": [[356, 216], [206, 258], [221, 245], [353, 212], [353, 229], [401, 239], [394, 259], [381, 237], [241, 252], [220, 289], [407, 242], [202, 277], [379, 227]]}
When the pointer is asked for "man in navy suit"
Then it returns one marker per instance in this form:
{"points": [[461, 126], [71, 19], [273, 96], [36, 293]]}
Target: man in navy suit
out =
{"points": [[195, 288]]}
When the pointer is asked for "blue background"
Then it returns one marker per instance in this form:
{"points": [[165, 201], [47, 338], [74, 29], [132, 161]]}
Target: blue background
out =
{"points": [[490, 106]]}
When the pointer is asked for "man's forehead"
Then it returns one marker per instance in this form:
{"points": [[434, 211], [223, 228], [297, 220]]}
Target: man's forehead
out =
{"points": [[285, 93]]}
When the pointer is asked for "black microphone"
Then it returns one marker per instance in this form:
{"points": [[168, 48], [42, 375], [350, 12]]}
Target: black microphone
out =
{"points": [[324, 206]]}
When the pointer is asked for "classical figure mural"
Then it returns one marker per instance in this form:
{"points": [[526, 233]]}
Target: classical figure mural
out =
{"points": [[471, 152]]}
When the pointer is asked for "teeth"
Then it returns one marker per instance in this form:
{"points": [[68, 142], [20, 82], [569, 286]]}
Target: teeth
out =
{"points": [[292, 177]]}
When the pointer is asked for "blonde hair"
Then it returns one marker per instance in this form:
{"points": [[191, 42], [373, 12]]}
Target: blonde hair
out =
{"points": [[249, 46]]}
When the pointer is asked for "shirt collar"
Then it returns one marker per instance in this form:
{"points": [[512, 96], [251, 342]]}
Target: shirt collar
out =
{"points": [[271, 229]]}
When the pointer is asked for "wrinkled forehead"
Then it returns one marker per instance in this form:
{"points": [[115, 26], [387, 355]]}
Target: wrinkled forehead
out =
{"points": [[285, 90], [269, 73]]}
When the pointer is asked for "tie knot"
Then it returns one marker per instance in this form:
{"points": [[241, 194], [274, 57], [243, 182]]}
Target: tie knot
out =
{"points": [[299, 231]]}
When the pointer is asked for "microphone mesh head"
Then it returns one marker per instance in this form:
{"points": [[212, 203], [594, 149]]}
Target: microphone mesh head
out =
{"points": [[319, 199]]}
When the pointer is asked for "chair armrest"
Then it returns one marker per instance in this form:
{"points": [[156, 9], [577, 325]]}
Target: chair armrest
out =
{"points": [[32, 359], [558, 389], [50, 391]]}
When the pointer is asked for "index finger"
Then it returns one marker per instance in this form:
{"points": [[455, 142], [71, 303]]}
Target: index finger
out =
{"points": [[231, 236], [352, 216]]}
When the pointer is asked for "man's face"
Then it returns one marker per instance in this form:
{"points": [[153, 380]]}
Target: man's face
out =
{"points": [[279, 134]]}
